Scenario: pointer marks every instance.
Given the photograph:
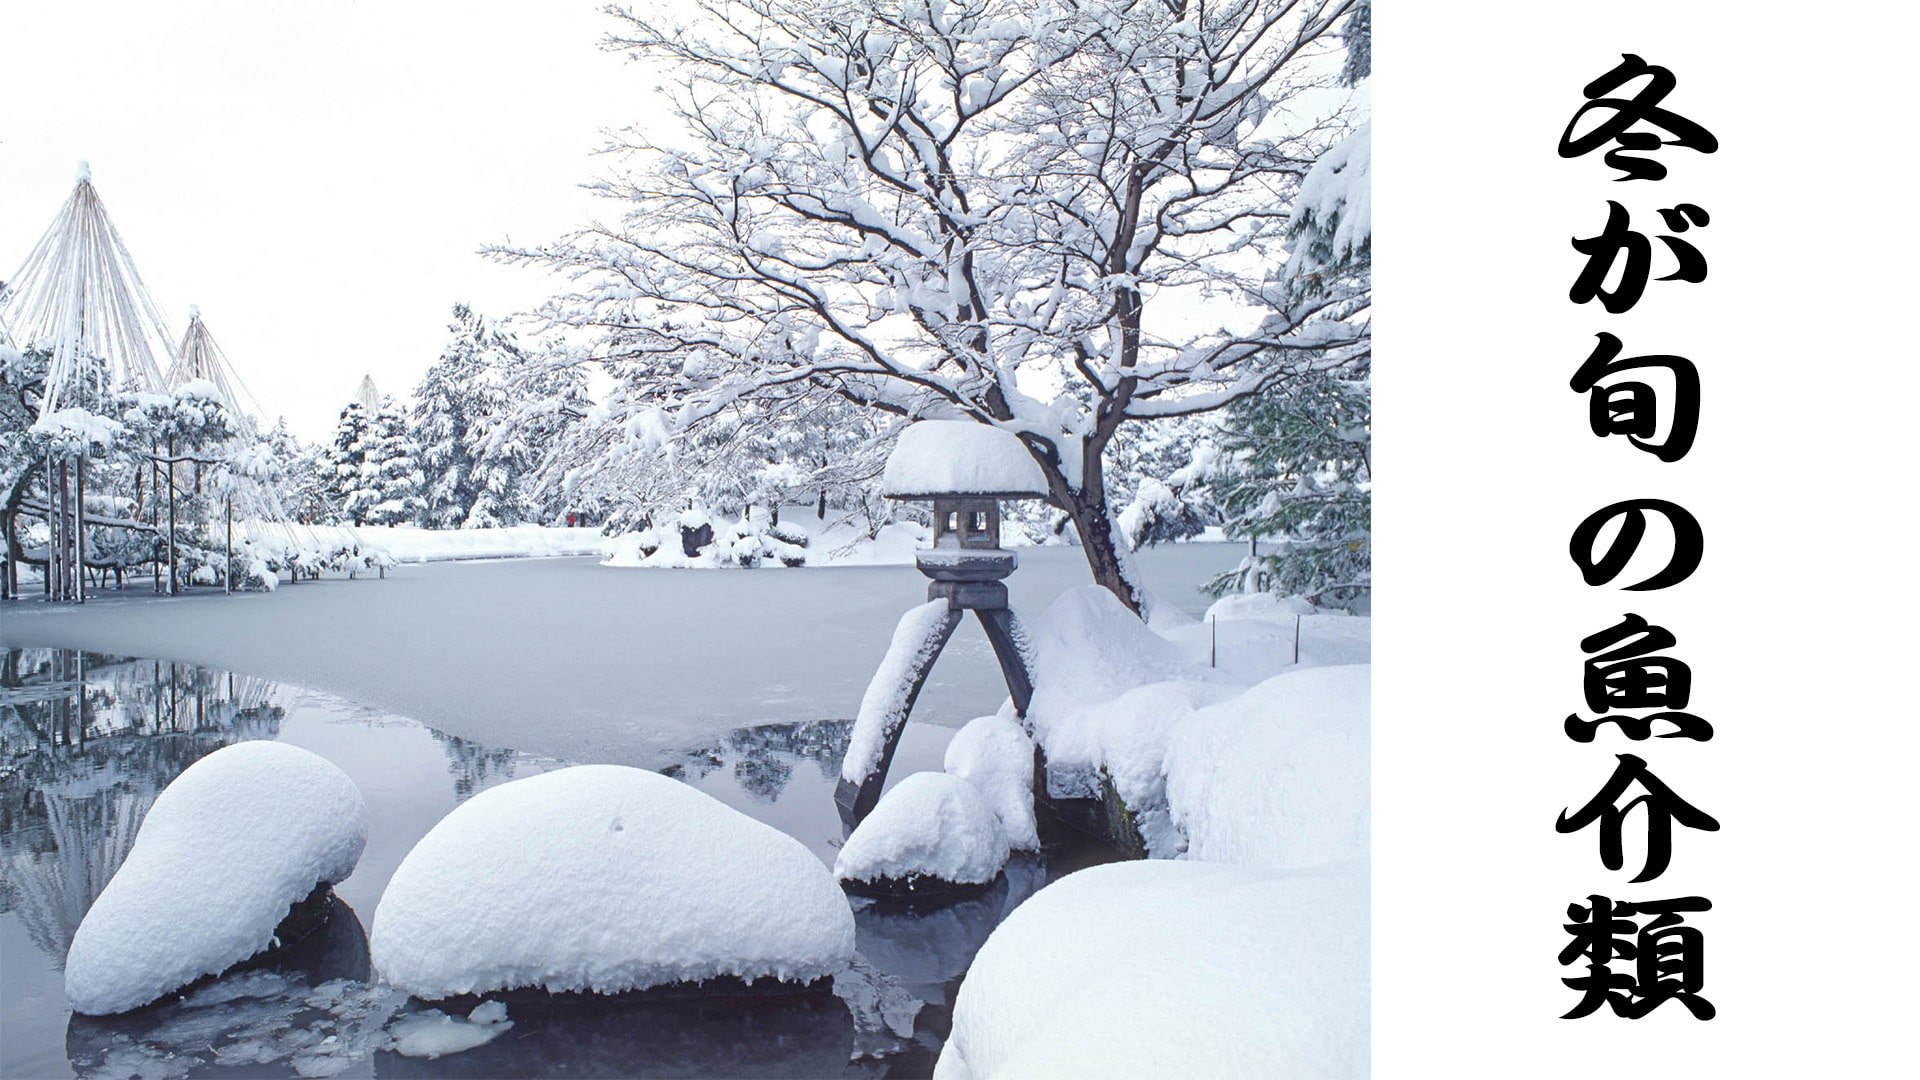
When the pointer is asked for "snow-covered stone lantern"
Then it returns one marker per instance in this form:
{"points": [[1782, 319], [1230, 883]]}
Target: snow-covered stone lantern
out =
{"points": [[965, 469]]}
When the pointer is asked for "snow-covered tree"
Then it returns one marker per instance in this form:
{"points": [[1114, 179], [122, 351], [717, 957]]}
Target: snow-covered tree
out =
{"points": [[391, 481], [303, 486], [347, 464], [999, 210], [471, 463], [1295, 471], [1159, 474]]}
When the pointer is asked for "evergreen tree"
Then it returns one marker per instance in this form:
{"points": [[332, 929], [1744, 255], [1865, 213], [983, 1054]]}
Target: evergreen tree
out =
{"points": [[304, 486], [473, 460], [391, 477], [347, 461], [1295, 470]]}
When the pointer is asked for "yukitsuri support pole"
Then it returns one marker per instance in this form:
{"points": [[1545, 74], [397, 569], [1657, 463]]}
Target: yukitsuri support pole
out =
{"points": [[173, 550], [156, 516], [80, 534], [229, 574]]}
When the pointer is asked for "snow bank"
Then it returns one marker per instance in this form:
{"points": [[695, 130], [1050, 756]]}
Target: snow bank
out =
{"points": [[605, 878], [996, 757], [1277, 776], [227, 850], [408, 544], [884, 706], [1157, 969], [929, 825], [935, 457], [1088, 651]]}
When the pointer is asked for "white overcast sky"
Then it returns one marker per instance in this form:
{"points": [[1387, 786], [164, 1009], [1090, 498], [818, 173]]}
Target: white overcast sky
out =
{"points": [[316, 176]]}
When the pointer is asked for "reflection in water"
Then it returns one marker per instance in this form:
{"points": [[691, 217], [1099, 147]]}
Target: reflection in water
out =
{"points": [[474, 766], [88, 742], [634, 1035]]}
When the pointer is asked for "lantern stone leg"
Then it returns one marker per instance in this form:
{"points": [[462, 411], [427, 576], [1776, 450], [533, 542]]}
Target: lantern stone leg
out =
{"points": [[856, 795]]}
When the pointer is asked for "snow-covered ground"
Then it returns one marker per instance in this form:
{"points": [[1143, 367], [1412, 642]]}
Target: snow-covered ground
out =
{"points": [[573, 660], [1253, 948]]}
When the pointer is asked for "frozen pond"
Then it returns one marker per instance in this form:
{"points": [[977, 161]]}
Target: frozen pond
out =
{"points": [[87, 741], [573, 660]]}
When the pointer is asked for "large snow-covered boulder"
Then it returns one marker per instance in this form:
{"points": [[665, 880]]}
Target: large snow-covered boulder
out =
{"points": [[605, 878], [996, 757], [224, 854], [960, 457], [929, 833], [1156, 969]]}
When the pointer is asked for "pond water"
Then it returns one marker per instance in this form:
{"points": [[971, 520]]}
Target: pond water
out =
{"points": [[88, 741]]}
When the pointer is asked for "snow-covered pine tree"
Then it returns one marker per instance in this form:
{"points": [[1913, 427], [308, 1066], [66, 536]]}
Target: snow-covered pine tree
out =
{"points": [[305, 482], [471, 467], [391, 477], [1295, 471], [1159, 475], [346, 460]]}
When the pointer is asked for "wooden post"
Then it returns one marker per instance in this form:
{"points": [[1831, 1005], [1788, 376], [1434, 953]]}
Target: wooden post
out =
{"points": [[156, 515], [229, 574], [173, 551], [80, 540], [60, 538]]}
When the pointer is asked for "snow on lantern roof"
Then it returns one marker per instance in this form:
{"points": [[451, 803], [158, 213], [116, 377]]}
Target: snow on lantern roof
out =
{"points": [[939, 458]]}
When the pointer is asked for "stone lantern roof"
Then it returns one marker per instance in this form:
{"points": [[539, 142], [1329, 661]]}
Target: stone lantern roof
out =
{"points": [[945, 459]]}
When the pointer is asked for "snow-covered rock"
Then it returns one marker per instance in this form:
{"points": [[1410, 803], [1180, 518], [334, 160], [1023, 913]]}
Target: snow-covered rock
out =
{"points": [[996, 757], [1277, 776], [929, 825], [1157, 969], [605, 878], [942, 457], [226, 851]]}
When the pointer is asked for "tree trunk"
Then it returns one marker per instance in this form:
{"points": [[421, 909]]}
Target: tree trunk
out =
{"points": [[820, 508], [1109, 560]]}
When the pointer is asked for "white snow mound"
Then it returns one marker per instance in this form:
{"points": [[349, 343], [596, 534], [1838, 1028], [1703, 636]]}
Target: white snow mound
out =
{"points": [[996, 757], [1158, 968], [1278, 776], [227, 849], [960, 457], [605, 878], [929, 824]]}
